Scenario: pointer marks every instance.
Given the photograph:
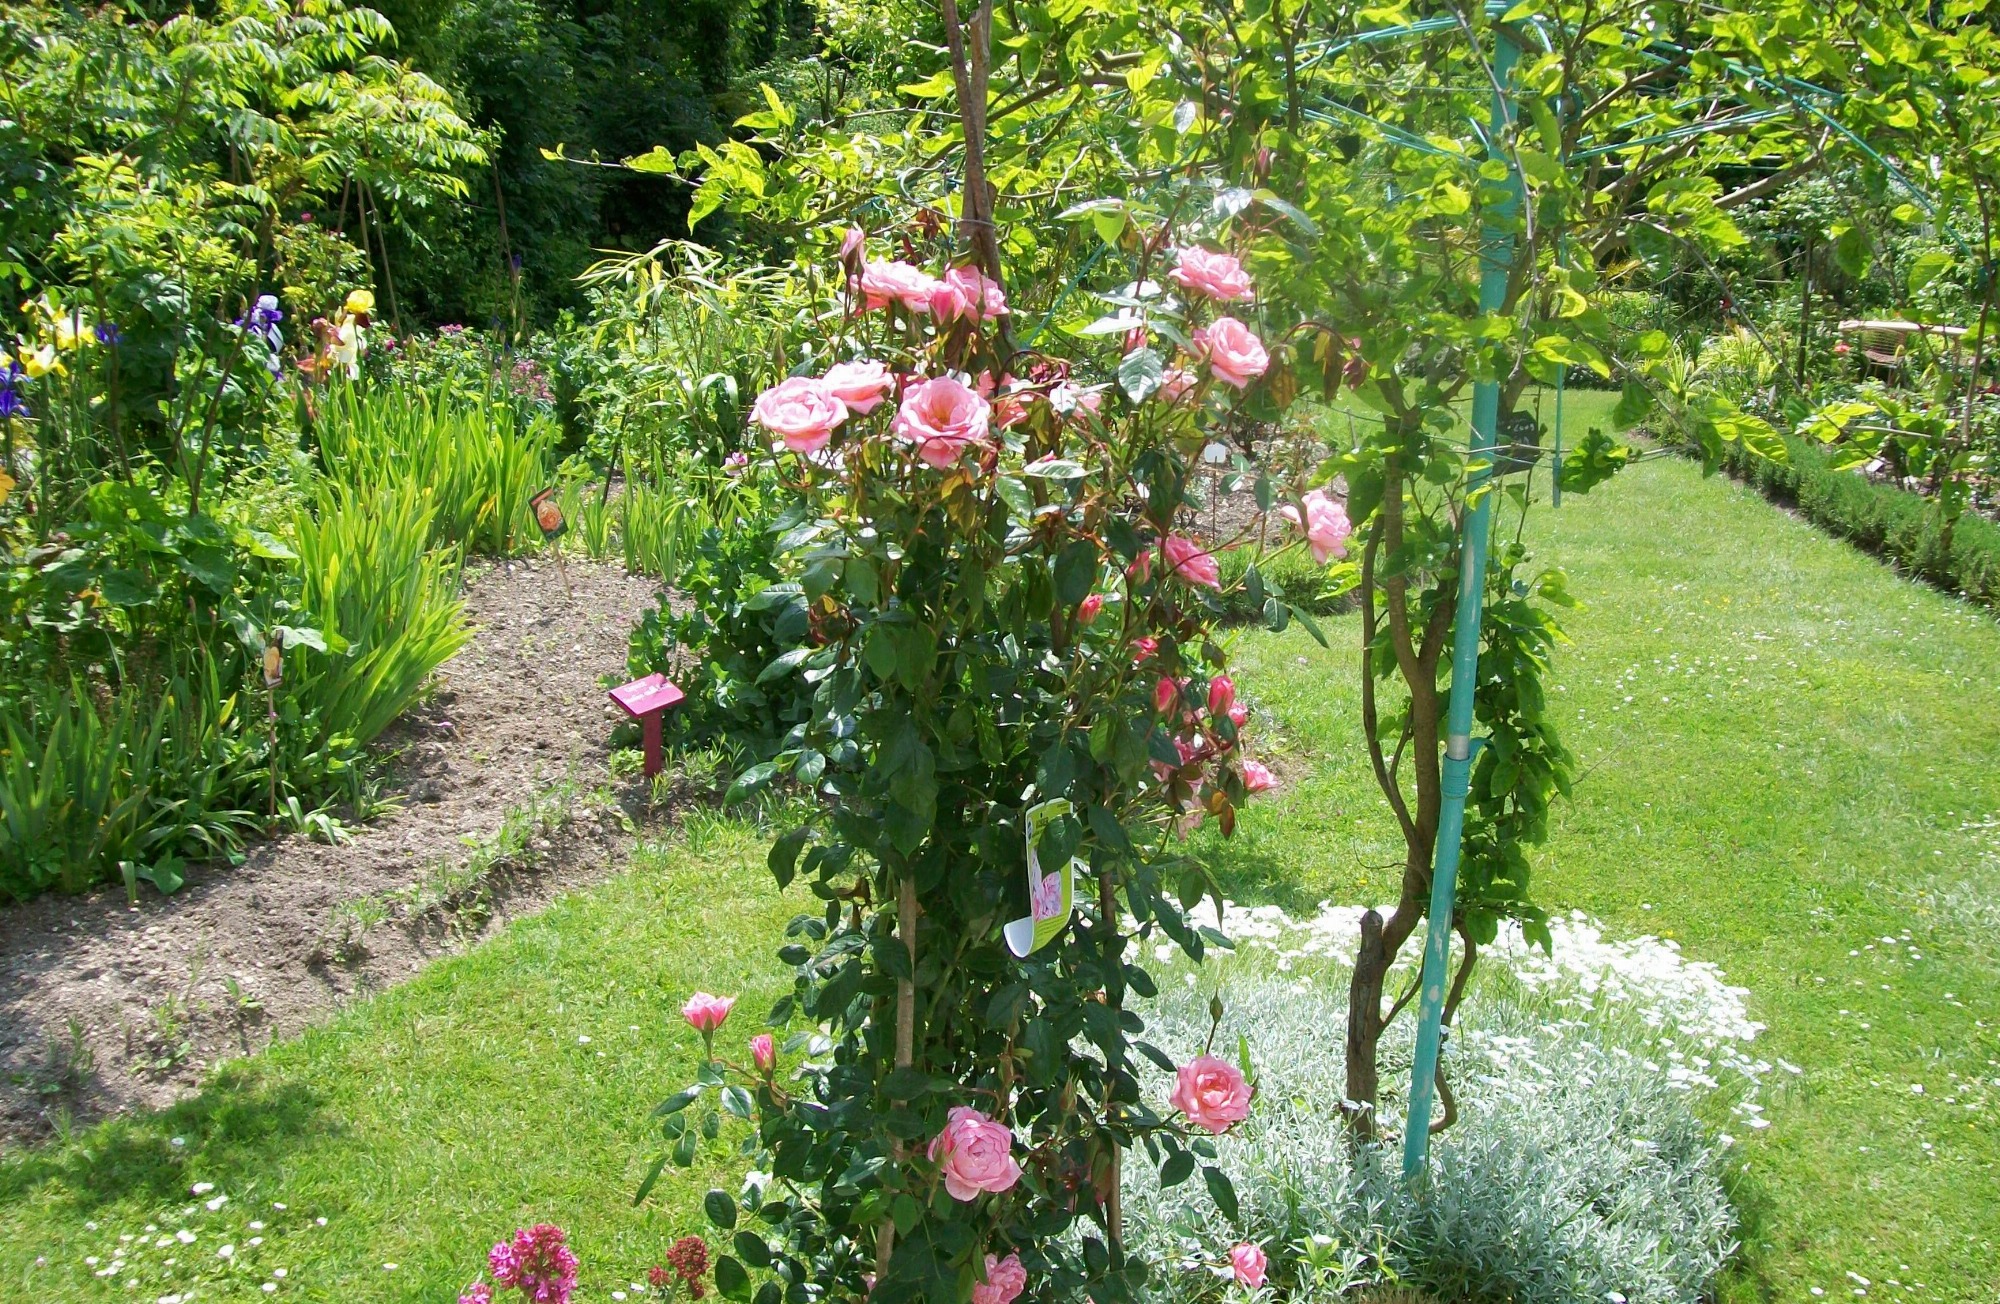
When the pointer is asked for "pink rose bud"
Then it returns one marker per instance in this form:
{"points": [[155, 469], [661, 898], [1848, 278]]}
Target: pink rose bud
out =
{"points": [[1256, 778], [1135, 339], [975, 1153], [1164, 693], [1212, 1093], [942, 417], [801, 411], [860, 386], [1215, 276], [1005, 1280], [1143, 649], [763, 1053], [1221, 694], [1247, 1263], [705, 1013], [1234, 354], [852, 243], [1141, 568], [1239, 714], [1086, 611], [1325, 523], [1186, 561]]}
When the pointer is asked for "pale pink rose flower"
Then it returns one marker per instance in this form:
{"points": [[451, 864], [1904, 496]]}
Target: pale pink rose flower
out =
{"points": [[897, 282], [1086, 611], [1215, 276], [977, 292], [1221, 694], [1185, 560], [976, 1154], [763, 1052], [942, 416], [801, 411], [1005, 1280], [1326, 525], [1248, 1263], [1177, 384], [1212, 1093], [1257, 778], [1234, 354], [705, 1013], [861, 386]]}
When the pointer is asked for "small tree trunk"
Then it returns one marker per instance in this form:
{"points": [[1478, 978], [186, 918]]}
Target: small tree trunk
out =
{"points": [[1364, 1028]]}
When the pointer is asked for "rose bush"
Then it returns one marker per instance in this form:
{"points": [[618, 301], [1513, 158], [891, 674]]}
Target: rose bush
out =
{"points": [[1003, 607]]}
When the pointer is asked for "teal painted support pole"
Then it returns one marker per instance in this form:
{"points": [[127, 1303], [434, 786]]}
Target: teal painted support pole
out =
{"points": [[1496, 264]]}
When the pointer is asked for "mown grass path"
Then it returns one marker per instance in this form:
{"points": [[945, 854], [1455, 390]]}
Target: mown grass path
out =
{"points": [[1789, 756], [1791, 765]]}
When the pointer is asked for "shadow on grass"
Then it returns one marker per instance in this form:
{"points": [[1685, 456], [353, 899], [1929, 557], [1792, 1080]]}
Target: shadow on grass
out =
{"points": [[1252, 876], [239, 1124], [1747, 1277]]}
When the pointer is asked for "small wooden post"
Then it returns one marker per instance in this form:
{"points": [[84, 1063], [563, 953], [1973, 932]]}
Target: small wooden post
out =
{"points": [[647, 700]]}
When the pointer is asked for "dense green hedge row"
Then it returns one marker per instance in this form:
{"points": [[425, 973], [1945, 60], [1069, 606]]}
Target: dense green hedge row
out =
{"points": [[1899, 525]]}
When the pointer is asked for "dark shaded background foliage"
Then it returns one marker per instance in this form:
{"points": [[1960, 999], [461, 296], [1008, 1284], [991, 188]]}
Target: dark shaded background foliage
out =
{"points": [[603, 78]]}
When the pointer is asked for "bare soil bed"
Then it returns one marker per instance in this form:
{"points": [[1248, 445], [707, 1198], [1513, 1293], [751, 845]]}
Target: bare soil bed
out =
{"points": [[106, 1007]]}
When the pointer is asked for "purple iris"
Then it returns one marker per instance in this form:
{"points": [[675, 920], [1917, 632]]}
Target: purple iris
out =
{"points": [[262, 321], [11, 404], [108, 334]]}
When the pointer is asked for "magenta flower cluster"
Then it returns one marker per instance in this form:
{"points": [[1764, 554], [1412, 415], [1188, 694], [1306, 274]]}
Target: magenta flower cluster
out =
{"points": [[537, 1262]]}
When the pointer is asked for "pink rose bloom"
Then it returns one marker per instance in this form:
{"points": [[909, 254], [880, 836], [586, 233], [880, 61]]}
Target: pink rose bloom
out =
{"points": [[976, 1153], [1214, 276], [1221, 694], [1256, 778], [1248, 1263], [801, 411], [1234, 354], [1086, 611], [1005, 1280], [1212, 1093], [1326, 525], [705, 1013], [763, 1052], [981, 293], [1143, 648], [941, 417], [1185, 560], [1164, 693], [1177, 384], [1239, 714], [897, 282], [860, 386]]}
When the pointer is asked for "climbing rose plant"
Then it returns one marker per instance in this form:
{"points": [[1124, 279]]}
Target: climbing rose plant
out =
{"points": [[1005, 607]]}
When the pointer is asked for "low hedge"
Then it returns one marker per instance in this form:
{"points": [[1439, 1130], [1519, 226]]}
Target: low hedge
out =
{"points": [[1893, 522]]}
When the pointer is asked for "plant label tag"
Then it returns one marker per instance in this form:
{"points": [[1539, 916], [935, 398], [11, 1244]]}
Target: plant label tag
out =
{"points": [[1051, 897], [548, 514]]}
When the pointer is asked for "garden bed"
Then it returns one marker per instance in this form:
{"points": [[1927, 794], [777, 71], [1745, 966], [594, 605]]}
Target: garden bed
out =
{"points": [[506, 799]]}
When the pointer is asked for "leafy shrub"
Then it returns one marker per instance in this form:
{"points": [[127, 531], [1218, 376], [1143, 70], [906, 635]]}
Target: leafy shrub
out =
{"points": [[738, 621], [1906, 528], [478, 460], [1288, 573], [388, 606], [1576, 1172]]}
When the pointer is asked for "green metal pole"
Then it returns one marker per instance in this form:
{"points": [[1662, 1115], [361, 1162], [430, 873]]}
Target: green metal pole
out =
{"points": [[1497, 261]]}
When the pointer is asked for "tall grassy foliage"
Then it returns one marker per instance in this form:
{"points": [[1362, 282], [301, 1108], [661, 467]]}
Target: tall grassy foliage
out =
{"points": [[369, 577], [478, 461]]}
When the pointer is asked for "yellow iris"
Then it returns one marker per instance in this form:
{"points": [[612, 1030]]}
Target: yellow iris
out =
{"points": [[39, 362], [360, 301]]}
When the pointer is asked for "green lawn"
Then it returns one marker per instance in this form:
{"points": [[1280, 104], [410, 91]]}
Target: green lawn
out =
{"points": [[1789, 756], [504, 1087]]}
